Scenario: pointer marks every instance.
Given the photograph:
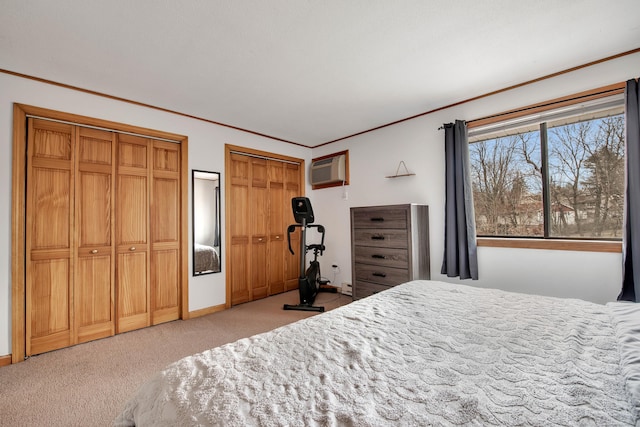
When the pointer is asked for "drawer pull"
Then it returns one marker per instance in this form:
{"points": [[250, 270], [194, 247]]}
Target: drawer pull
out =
{"points": [[379, 274], [377, 219], [377, 237], [95, 251], [378, 256]]}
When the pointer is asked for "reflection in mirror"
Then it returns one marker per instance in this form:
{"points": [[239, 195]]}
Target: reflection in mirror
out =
{"points": [[206, 222]]}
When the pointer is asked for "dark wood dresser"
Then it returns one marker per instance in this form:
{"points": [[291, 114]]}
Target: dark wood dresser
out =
{"points": [[389, 246]]}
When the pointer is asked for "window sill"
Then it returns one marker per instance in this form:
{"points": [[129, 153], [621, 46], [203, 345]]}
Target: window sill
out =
{"points": [[559, 245]]}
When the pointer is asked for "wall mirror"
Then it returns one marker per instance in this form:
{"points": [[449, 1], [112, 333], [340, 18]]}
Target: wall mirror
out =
{"points": [[206, 222]]}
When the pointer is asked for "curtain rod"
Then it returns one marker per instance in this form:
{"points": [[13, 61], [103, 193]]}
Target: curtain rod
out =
{"points": [[444, 125]]}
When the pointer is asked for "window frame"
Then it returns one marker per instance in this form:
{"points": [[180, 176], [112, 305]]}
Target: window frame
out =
{"points": [[551, 243]]}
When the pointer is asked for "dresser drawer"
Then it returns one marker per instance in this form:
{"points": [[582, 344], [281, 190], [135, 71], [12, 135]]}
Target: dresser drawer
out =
{"points": [[381, 238], [380, 218], [389, 246], [389, 257], [381, 274], [364, 289]]}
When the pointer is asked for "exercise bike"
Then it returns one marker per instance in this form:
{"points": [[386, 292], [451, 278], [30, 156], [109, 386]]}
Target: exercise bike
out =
{"points": [[310, 281]]}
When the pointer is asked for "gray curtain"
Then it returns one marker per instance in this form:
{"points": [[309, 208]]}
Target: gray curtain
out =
{"points": [[631, 233], [460, 251]]}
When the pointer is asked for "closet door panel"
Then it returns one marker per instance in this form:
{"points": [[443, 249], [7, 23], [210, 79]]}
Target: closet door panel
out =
{"points": [[166, 157], [94, 297], [238, 273], [258, 268], [50, 297], [165, 277], [50, 140], [133, 294], [259, 220], [51, 208], [166, 210], [132, 213], [239, 228], [48, 301], [132, 234], [94, 280], [277, 248], [165, 233], [133, 152], [277, 228], [49, 236], [95, 147], [94, 209]]}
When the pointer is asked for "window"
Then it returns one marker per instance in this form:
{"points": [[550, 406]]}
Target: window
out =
{"points": [[556, 174]]}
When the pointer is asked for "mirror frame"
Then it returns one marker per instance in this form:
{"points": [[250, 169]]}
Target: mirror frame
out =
{"points": [[208, 252]]}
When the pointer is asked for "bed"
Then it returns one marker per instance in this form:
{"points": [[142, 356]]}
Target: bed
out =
{"points": [[205, 258], [421, 353]]}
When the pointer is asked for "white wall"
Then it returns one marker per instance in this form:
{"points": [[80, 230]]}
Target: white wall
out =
{"points": [[206, 152], [419, 143]]}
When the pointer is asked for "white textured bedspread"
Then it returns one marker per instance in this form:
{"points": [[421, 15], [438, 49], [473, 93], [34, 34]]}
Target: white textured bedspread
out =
{"points": [[420, 354]]}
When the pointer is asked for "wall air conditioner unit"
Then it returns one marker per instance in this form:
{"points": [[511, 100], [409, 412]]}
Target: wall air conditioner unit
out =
{"points": [[328, 170]]}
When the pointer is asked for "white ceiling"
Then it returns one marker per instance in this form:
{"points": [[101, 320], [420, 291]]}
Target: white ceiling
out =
{"points": [[307, 71]]}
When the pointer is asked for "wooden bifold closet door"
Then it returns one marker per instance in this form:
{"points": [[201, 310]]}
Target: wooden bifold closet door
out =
{"points": [[259, 193], [148, 232], [95, 267], [102, 234]]}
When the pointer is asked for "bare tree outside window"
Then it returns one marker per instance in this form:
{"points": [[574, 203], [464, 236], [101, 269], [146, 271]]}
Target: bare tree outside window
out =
{"points": [[587, 178], [507, 185], [585, 190], [567, 157]]}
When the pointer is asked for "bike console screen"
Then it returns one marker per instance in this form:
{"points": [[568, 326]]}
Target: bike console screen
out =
{"points": [[302, 210]]}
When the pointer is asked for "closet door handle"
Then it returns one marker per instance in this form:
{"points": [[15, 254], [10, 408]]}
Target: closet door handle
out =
{"points": [[95, 251], [132, 248]]}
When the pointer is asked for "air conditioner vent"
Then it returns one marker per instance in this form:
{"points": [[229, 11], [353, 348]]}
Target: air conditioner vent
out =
{"points": [[328, 170]]}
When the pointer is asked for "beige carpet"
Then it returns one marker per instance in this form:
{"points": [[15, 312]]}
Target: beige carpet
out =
{"points": [[88, 384]]}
